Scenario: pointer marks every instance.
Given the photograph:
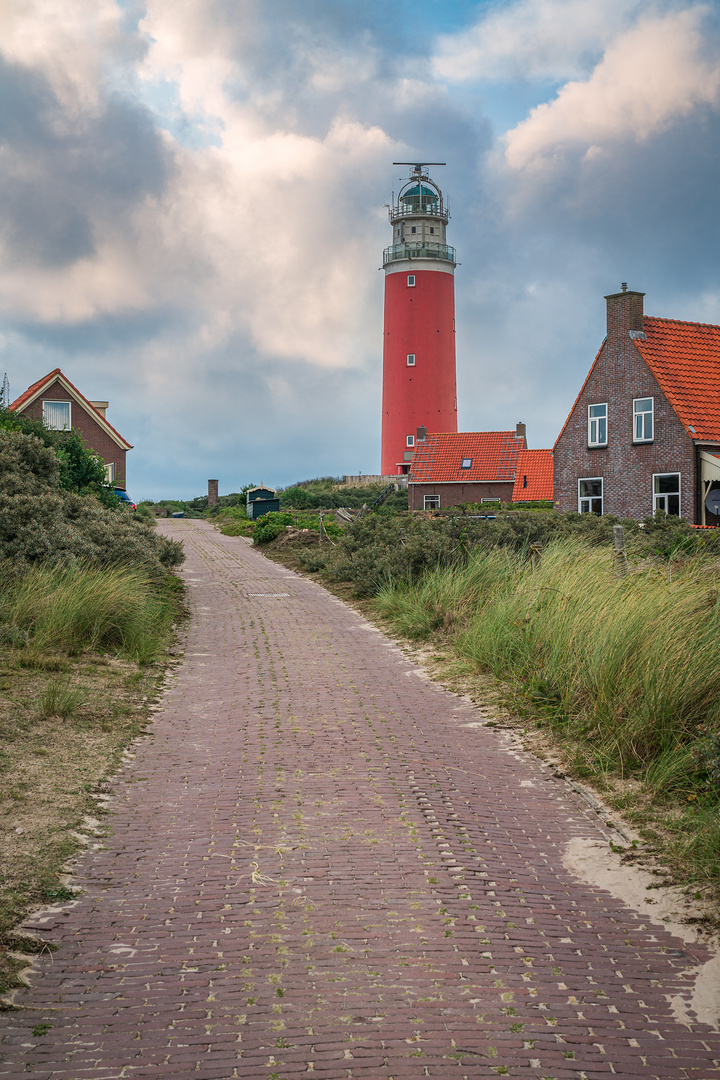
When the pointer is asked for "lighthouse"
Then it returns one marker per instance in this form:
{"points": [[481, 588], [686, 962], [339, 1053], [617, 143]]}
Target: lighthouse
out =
{"points": [[419, 387]]}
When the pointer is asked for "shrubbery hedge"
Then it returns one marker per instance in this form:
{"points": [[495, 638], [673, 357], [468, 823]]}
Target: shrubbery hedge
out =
{"points": [[43, 523]]}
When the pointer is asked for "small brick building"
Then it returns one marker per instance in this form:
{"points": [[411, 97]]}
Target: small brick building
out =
{"points": [[61, 406], [644, 432], [473, 466]]}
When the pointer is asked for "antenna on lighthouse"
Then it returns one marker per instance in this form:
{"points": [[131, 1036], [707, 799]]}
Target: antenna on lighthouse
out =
{"points": [[5, 393]]}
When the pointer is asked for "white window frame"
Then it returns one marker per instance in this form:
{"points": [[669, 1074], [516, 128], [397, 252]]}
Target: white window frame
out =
{"points": [[411, 359], [590, 499], [431, 502], [411, 281], [110, 473], [409, 440], [661, 496], [644, 412], [594, 424], [65, 427]]}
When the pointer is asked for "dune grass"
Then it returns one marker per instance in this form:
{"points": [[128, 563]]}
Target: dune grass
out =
{"points": [[79, 609], [626, 669]]}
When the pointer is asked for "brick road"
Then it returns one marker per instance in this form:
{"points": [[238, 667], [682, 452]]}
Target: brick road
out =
{"points": [[321, 866]]}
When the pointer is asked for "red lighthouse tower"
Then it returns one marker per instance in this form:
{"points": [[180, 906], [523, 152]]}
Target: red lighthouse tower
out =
{"points": [[419, 387]]}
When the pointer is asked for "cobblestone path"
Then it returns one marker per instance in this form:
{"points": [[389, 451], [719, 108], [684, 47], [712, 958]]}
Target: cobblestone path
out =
{"points": [[322, 866]]}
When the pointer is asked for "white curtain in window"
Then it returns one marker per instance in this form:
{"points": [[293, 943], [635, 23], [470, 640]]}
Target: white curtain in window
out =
{"points": [[56, 414]]}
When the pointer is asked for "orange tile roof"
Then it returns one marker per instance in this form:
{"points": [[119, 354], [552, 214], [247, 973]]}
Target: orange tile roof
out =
{"points": [[57, 376], [30, 392], [534, 476], [684, 357], [439, 459]]}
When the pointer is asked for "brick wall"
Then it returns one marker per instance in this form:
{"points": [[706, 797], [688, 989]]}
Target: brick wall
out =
{"points": [[619, 375], [452, 494], [94, 436]]}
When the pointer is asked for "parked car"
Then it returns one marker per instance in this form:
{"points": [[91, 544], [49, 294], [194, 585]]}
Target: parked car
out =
{"points": [[125, 498]]}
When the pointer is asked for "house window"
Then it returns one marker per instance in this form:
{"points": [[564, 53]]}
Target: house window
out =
{"points": [[411, 280], [430, 502], [110, 473], [590, 495], [411, 359], [666, 493], [432, 231], [409, 440], [643, 419], [56, 415], [597, 425], [466, 463], [413, 229]]}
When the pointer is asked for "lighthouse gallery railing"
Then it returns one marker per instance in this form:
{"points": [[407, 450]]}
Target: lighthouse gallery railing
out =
{"points": [[398, 252]]}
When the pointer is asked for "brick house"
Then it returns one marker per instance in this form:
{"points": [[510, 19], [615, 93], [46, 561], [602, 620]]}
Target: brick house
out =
{"points": [[61, 406], [644, 432], [476, 466]]}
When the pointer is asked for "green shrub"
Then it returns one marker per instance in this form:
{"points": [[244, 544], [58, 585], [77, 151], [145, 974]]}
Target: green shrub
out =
{"points": [[270, 526], [40, 522]]}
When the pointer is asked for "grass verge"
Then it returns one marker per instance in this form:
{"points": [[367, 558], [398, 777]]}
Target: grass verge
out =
{"points": [[75, 690]]}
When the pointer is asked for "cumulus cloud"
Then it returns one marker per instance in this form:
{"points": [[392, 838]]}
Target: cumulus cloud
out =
{"points": [[532, 39], [651, 76]]}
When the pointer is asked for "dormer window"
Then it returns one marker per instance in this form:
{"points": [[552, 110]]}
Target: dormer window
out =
{"points": [[466, 463], [56, 415]]}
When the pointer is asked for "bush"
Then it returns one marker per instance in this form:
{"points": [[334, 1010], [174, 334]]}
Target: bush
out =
{"points": [[270, 526], [40, 522]]}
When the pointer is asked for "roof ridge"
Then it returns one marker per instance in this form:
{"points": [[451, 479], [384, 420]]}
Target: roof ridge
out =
{"points": [[682, 322]]}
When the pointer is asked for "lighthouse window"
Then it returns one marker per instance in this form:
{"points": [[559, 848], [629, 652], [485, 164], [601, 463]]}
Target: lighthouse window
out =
{"points": [[411, 359], [409, 440], [411, 280], [413, 229], [432, 231]]}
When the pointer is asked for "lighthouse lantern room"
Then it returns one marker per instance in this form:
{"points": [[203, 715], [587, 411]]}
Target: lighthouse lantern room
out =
{"points": [[419, 389]]}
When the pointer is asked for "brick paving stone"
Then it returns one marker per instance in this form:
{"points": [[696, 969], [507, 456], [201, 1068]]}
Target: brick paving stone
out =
{"points": [[318, 868]]}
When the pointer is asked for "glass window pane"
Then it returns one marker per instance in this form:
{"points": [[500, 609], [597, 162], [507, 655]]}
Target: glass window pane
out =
{"points": [[673, 505], [643, 404], [648, 431], [598, 410], [602, 431], [590, 488], [56, 414], [668, 483]]}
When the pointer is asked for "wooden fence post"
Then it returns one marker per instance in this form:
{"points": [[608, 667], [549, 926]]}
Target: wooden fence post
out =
{"points": [[619, 553]]}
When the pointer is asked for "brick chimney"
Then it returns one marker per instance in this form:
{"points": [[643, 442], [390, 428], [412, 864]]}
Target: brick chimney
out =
{"points": [[521, 432], [212, 492], [625, 311]]}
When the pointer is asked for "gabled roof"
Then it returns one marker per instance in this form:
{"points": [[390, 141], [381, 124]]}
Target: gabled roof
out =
{"points": [[684, 357], [492, 455], [42, 385], [534, 476]]}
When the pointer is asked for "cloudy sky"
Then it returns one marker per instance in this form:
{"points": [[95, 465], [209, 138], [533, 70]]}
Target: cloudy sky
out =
{"points": [[192, 208]]}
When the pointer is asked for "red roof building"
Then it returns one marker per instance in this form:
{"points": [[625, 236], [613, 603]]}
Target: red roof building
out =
{"points": [[644, 432], [60, 405], [474, 467], [533, 476]]}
